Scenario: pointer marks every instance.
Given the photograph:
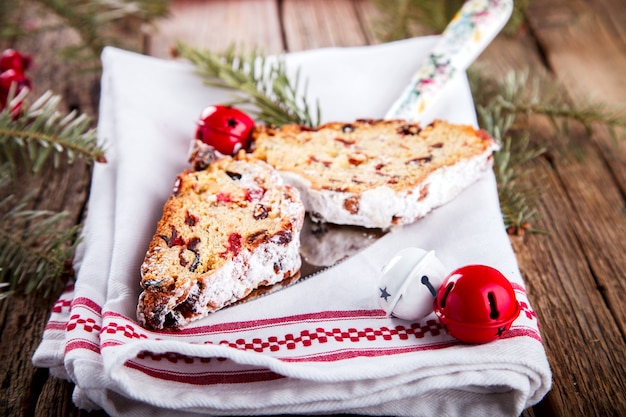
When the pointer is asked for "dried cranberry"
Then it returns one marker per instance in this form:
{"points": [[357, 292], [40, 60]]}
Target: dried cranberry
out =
{"points": [[223, 197], [234, 245]]}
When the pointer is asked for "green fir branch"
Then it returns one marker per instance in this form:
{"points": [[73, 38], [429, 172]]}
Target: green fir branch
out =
{"points": [[42, 132], [36, 246], [34, 250], [510, 161], [523, 94], [277, 98], [504, 108]]}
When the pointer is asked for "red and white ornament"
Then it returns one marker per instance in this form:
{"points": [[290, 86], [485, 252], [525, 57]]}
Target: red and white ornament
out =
{"points": [[225, 128], [474, 303]]}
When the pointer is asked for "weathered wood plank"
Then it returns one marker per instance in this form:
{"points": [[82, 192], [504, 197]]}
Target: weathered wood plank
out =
{"points": [[369, 17], [579, 42], [584, 44], [580, 333], [589, 58], [66, 189], [569, 271], [310, 24], [22, 325], [216, 25], [614, 10]]}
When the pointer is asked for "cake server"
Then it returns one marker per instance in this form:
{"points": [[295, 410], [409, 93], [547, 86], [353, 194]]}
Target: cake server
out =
{"points": [[466, 36], [474, 26]]}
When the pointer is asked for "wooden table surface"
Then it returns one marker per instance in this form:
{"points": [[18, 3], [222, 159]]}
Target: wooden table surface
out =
{"points": [[574, 273]]}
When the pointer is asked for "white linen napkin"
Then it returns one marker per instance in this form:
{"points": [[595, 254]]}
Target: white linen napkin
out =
{"points": [[320, 346]]}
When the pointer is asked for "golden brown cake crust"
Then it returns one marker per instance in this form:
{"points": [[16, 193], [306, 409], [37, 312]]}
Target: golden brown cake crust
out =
{"points": [[225, 231], [341, 168], [354, 157]]}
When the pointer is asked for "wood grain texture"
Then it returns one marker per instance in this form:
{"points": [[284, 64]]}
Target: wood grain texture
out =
{"points": [[580, 331], [584, 44], [597, 69], [22, 319], [310, 24], [217, 25]]}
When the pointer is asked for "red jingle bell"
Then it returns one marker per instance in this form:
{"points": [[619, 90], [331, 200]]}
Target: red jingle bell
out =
{"points": [[12, 59], [476, 304], [225, 128]]}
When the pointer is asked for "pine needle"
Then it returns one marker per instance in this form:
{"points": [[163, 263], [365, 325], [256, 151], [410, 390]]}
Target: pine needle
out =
{"points": [[504, 109], [277, 98], [42, 131], [34, 249]]}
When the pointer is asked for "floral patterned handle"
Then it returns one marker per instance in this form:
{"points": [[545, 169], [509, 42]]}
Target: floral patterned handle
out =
{"points": [[465, 37]]}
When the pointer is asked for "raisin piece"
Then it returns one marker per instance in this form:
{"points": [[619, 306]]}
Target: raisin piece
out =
{"points": [[187, 308], [347, 128], [190, 219], [156, 285], [174, 239], [408, 130], [192, 245], [235, 176], [170, 321], [195, 263], [283, 237], [257, 238], [260, 212], [420, 161]]}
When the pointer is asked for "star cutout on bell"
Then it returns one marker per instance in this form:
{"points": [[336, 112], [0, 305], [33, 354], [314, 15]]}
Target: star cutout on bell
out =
{"points": [[384, 294], [408, 284]]}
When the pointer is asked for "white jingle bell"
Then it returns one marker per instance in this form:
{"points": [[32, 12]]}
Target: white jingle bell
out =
{"points": [[408, 284]]}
